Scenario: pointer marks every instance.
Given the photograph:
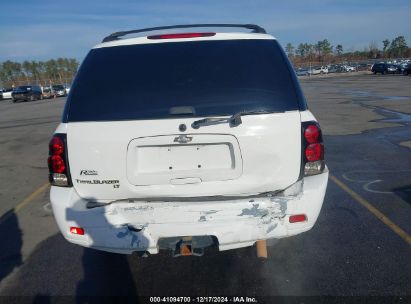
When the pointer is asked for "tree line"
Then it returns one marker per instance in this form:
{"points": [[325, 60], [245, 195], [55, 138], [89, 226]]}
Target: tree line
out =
{"points": [[53, 71], [62, 70], [323, 51]]}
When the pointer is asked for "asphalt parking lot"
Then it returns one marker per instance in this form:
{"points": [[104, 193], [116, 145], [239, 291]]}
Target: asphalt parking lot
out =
{"points": [[361, 244]]}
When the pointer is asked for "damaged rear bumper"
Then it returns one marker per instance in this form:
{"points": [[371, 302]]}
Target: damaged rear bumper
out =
{"points": [[128, 226]]}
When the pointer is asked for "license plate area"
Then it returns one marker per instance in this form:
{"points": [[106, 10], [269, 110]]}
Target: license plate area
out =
{"points": [[177, 158], [159, 160]]}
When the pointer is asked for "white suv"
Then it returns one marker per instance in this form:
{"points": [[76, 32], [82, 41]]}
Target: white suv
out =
{"points": [[316, 70], [208, 142]]}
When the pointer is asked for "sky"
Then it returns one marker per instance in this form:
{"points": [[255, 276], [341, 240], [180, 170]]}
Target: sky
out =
{"points": [[45, 29]]}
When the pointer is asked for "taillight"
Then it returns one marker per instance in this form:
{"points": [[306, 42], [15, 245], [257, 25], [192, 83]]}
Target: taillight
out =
{"points": [[77, 230], [56, 164], [312, 133], [180, 35], [58, 161], [298, 218], [313, 156], [314, 152], [56, 146]]}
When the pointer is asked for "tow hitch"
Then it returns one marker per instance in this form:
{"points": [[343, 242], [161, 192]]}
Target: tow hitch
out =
{"points": [[186, 246]]}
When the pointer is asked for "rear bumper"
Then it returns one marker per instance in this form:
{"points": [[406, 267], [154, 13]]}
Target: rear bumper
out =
{"points": [[128, 226]]}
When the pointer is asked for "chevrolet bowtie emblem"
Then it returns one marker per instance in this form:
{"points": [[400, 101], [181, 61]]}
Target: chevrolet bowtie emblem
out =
{"points": [[183, 139]]}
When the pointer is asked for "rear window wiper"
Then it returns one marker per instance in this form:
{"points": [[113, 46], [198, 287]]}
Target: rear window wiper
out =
{"points": [[234, 120]]}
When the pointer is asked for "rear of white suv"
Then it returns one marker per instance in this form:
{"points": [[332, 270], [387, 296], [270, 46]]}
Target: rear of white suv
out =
{"points": [[208, 142]]}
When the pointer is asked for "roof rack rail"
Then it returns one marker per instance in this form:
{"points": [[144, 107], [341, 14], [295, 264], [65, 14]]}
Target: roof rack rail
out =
{"points": [[116, 35]]}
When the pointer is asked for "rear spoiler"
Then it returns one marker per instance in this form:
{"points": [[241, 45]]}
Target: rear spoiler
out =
{"points": [[116, 35]]}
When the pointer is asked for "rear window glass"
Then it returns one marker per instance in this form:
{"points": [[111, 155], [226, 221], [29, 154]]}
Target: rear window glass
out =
{"points": [[148, 81]]}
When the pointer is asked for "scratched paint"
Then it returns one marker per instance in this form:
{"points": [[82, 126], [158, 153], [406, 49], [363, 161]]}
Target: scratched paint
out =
{"points": [[269, 217], [138, 223], [271, 227], [210, 212], [202, 218], [254, 211], [206, 215]]}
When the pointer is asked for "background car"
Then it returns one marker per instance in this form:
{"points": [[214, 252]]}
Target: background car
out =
{"points": [[27, 93], [348, 68], [335, 68], [406, 69], [48, 92], [393, 69], [302, 72], [380, 68], [315, 70], [361, 67], [60, 90], [67, 89], [6, 93]]}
